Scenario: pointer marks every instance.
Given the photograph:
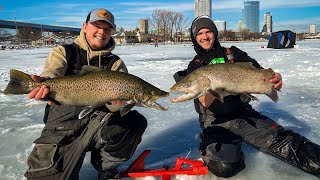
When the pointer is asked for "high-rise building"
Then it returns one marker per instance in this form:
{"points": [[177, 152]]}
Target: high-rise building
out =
{"points": [[240, 25], [202, 7], [312, 29], [268, 22], [221, 25], [250, 15], [144, 26]]}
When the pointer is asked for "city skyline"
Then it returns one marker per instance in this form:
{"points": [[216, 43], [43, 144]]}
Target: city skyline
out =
{"points": [[294, 15]]}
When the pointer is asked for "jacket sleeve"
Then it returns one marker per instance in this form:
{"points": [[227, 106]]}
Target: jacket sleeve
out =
{"points": [[56, 63], [117, 66], [193, 65], [241, 56]]}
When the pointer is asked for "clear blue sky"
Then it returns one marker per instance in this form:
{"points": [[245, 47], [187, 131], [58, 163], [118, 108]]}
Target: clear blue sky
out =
{"points": [[295, 15]]}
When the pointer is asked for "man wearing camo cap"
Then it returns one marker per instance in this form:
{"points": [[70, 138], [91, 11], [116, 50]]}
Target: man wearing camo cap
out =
{"points": [[66, 138]]}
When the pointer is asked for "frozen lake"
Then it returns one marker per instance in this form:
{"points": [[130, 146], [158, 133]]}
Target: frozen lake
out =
{"points": [[173, 133]]}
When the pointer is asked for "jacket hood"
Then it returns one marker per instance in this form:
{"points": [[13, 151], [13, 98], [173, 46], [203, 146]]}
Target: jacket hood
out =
{"points": [[82, 42], [199, 23]]}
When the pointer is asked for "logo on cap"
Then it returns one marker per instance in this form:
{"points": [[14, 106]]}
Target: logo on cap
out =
{"points": [[104, 14]]}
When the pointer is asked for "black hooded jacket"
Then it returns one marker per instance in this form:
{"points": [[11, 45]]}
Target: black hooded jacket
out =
{"points": [[232, 104]]}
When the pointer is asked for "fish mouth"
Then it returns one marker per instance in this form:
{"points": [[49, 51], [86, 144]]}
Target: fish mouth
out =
{"points": [[155, 105], [187, 95], [151, 102]]}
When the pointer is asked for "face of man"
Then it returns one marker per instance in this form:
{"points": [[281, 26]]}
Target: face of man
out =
{"points": [[97, 33], [205, 38]]}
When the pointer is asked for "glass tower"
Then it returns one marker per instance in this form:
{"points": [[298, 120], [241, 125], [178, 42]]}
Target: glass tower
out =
{"points": [[250, 15]]}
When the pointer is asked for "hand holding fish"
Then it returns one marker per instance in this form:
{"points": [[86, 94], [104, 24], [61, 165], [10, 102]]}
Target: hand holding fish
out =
{"points": [[41, 92], [277, 79], [118, 102]]}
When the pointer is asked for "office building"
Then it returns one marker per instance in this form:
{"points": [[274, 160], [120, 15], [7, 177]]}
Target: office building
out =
{"points": [[312, 29], [144, 26], [268, 22], [240, 25], [202, 7], [250, 15], [221, 25]]}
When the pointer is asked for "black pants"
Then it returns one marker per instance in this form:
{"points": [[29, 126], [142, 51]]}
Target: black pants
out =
{"points": [[111, 139], [222, 139]]}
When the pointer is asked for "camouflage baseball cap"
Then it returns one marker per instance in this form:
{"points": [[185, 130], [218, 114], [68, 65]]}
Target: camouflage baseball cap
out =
{"points": [[101, 15]]}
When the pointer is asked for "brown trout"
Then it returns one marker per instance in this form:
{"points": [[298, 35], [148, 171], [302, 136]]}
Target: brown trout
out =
{"points": [[94, 87], [225, 79]]}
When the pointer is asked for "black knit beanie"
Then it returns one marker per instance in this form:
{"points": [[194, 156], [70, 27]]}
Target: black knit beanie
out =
{"points": [[203, 22]]}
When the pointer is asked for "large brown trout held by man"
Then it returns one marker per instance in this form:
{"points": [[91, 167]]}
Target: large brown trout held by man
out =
{"points": [[225, 79], [94, 87]]}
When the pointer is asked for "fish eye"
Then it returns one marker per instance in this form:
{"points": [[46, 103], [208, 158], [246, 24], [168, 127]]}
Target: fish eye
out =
{"points": [[153, 93]]}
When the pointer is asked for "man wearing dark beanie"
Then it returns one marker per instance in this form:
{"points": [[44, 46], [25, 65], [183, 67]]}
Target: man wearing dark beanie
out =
{"points": [[203, 22], [225, 125]]}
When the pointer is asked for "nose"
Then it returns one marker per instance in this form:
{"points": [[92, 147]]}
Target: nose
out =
{"points": [[204, 36], [101, 30]]}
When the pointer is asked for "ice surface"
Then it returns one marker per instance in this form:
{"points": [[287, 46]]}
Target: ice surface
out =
{"points": [[173, 133]]}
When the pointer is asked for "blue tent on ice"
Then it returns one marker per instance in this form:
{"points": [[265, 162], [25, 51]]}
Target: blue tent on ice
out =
{"points": [[282, 39]]}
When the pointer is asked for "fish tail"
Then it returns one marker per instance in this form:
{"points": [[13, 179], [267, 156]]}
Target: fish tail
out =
{"points": [[19, 83], [273, 94]]}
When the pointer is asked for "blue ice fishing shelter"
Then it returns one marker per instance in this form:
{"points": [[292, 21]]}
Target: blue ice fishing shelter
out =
{"points": [[282, 39]]}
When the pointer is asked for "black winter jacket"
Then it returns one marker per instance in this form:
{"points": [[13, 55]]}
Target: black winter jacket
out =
{"points": [[232, 104]]}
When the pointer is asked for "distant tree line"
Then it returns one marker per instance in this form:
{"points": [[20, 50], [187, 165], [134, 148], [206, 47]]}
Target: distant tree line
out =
{"points": [[22, 35], [167, 24], [5, 35], [27, 34], [244, 35]]}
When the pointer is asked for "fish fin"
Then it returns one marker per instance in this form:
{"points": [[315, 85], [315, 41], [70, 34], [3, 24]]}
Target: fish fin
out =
{"points": [[51, 97], [88, 69], [217, 94], [246, 64], [253, 97], [245, 97], [273, 94], [18, 83], [77, 72], [126, 108], [87, 110], [139, 105]]}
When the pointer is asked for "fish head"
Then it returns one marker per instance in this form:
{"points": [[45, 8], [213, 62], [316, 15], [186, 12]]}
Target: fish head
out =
{"points": [[193, 86], [269, 73], [150, 95]]}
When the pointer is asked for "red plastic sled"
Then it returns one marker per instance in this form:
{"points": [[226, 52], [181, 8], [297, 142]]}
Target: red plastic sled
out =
{"points": [[136, 169]]}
